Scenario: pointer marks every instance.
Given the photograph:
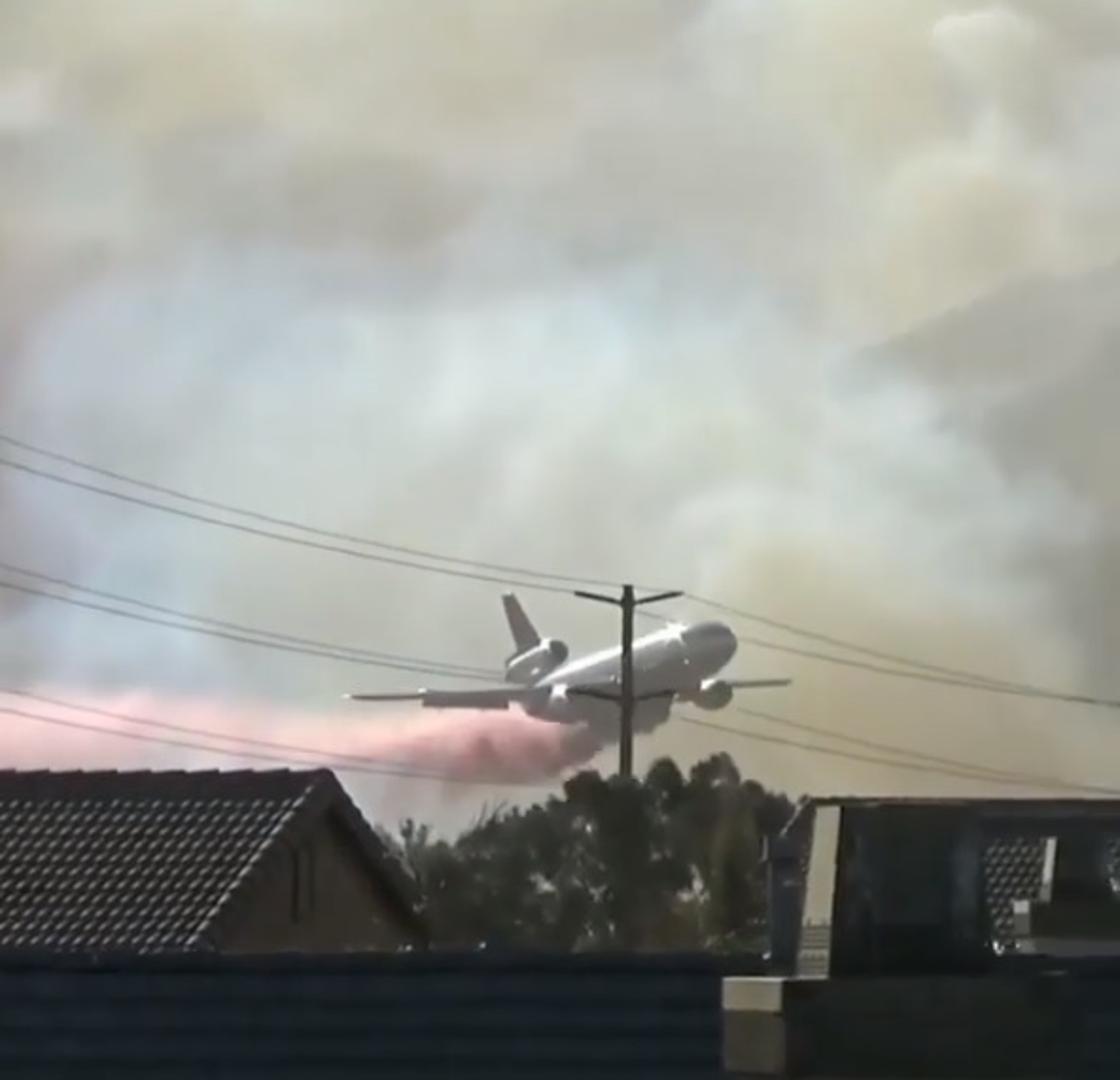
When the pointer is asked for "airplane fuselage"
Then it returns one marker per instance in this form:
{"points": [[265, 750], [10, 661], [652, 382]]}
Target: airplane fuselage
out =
{"points": [[667, 663]]}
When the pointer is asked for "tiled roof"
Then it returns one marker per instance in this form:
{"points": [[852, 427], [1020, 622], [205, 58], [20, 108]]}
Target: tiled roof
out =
{"points": [[145, 861], [1012, 871]]}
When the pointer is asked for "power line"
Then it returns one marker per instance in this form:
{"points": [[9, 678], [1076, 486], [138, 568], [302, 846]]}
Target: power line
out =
{"points": [[424, 667], [875, 744], [982, 771], [983, 683], [291, 643], [949, 766], [372, 766], [1037, 693], [986, 686], [421, 664], [272, 519], [296, 541], [918, 676], [243, 639], [520, 571], [323, 757], [432, 668], [865, 650], [237, 753], [1012, 779]]}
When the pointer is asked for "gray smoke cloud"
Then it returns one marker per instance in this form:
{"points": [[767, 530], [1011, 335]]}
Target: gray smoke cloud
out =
{"points": [[579, 286]]}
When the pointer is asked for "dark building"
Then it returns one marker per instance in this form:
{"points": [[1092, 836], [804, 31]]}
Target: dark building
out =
{"points": [[182, 862], [1014, 839], [422, 1015], [938, 937]]}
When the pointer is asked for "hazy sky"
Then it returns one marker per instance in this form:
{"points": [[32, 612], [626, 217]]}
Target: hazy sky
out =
{"points": [[582, 286]]}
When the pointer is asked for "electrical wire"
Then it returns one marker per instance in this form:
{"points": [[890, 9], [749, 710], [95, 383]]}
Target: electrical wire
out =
{"points": [[269, 744], [865, 650], [357, 764], [985, 686], [1012, 779], [323, 756], [329, 534], [433, 668], [924, 672], [951, 766], [940, 680], [875, 744], [421, 664], [411, 774], [243, 639], [528, 572], [296, 541]]}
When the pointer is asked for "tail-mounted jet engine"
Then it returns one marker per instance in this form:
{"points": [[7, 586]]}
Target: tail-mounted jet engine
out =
{"points": [[535, 663]]}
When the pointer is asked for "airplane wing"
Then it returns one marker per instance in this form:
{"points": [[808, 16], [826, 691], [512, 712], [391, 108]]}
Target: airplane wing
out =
{"points": [[499, 697], [755, 684]]}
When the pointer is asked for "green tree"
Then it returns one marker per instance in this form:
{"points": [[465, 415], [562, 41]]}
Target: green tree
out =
{"points": [[668, 862]]}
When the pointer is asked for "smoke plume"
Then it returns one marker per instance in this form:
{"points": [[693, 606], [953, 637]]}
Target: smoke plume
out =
{"points": [[441, 760], [484, 746], [585, 287]]}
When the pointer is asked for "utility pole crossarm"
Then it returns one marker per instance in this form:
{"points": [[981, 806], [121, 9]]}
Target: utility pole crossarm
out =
{"points": [[597, 596], [659, 596]]}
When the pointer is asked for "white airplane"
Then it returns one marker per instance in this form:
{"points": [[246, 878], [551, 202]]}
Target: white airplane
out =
{"points": [[677, 663]]}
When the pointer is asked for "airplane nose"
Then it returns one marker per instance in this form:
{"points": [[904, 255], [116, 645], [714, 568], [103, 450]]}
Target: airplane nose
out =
{"points": [[711, 640]]}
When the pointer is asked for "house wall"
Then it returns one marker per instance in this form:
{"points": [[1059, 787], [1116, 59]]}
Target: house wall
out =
{"points": [[317, 896]]}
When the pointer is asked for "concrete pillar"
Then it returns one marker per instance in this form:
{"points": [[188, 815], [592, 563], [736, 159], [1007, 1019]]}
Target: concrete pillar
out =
{"points": [[814, 953], [783, 869]]}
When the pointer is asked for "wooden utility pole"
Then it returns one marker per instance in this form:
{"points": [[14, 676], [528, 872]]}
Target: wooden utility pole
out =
{"points": [[628, 603]]}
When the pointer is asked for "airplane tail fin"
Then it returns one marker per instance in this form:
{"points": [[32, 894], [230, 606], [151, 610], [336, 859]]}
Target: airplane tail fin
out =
{"points": [[524, 633]]}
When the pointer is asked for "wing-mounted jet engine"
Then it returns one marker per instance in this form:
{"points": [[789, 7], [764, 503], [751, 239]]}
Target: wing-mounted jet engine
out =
{"points": [[713, 694]]}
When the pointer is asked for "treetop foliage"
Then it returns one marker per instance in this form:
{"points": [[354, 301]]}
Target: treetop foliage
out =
{"points": [[666, 862]]}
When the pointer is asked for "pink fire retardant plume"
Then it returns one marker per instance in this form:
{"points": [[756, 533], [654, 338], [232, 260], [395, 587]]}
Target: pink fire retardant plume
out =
{"points": [[467, 745]]}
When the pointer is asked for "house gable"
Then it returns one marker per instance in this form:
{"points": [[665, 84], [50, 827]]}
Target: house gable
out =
{"points": [[315, 892]]}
